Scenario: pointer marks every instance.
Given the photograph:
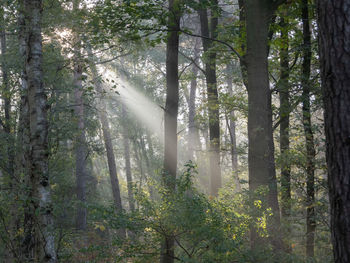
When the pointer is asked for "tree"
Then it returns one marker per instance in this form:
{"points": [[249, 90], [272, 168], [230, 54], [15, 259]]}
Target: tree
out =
{"points": [[193, 135], [308, 132], [41, 236], [284, 112], [260, 135], [333, 19], [112, 167], [80, 146], [127, 159], [209, 33], [232, 130], [170, 114]]}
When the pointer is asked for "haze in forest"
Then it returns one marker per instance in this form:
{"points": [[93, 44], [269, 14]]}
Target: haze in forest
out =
{"points": [[174, 131]]}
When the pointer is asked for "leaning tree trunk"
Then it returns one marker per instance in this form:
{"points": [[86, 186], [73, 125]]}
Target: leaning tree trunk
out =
{"points": [[333, 20], [40, 202], [170, 115], [309, 137], [260, 135], [212, 93], [112, 167]]}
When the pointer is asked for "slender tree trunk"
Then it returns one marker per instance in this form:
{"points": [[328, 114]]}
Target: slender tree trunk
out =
{"points": [[38, 156], [112, 167], [127, 160], [212, 93], [80, 148], [6, 96], [260, 135], [284, 112], [23, 144], [333, 19], [309, 137], [80, 144], [193, 136], [232, 131], [170, 114]]}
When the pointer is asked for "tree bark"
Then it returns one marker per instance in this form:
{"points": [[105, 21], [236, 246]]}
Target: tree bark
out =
{"points": [[170, 115], [38, 127], [212, 93], [309, 137], [260, 135], [333, 19]]}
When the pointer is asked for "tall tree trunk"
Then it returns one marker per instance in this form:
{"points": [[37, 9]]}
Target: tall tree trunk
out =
{"points": [[212, 93], [23, 142], [309, 137], [80, 146], [127, 160], [193, 136], [284, 112], [38, 156], [170, 114], [260, 135], [112, 167], [232, 131], [333, 20]]}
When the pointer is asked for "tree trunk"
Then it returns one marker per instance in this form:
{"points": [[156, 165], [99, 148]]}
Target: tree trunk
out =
{"points": [[80, 147], [260, 135], [170, 115], [333, 19], [112, 167], [193, 136], [23, 144], [127, 160], [284, 112], [38, 156], [232, 131], [309, 137], [212, 93], [6, 96]]}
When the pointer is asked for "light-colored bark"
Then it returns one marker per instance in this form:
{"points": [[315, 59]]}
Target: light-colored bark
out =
{"points": [[42, 233]]}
